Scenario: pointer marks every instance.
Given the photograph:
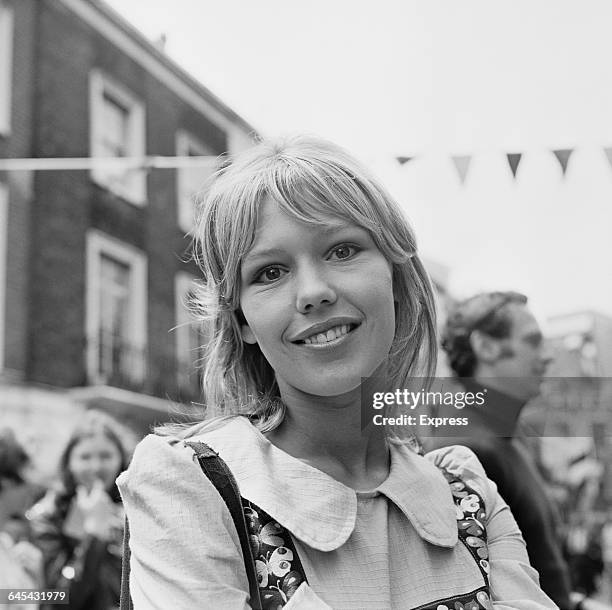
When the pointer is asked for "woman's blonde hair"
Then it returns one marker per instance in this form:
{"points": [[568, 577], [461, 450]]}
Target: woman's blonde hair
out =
{"points": [[310, 179]]}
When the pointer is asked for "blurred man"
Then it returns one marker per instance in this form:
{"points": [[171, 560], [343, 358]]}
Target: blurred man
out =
{"points": [[494, 342]]}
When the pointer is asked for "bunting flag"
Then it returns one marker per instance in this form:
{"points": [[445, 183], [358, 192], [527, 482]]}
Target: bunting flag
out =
{"points": [[563, 155], [462, 164], [608, 152], [513, 161], [403, 160]]}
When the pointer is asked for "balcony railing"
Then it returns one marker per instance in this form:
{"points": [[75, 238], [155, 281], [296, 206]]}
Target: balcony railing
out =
{"points": [[111, 360]]}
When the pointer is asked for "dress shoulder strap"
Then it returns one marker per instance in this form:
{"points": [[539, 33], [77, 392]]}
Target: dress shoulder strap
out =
{"points": [[471, 517], [222, 478], [278, 565]]}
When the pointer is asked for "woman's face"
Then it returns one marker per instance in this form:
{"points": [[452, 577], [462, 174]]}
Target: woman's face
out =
{"points": [[318, 300], [95, 458]]}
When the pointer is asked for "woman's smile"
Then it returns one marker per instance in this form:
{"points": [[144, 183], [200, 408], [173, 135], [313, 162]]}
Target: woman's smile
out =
{"points": [[328, 332]]}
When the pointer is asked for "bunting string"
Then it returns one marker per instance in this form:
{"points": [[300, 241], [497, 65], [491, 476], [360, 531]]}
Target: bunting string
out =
{"points": [[462, 163]]}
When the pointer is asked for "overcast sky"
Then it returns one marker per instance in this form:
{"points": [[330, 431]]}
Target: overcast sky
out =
{"points": [[432, 79]]}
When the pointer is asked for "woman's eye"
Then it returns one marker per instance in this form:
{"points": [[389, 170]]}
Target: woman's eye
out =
{"points": [[269, 274], [344, 251]]}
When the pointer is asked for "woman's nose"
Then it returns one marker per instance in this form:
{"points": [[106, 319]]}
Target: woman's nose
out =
{"points": [[313, 289]]}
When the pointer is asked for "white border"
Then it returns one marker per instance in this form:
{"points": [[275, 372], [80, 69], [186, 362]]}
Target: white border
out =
{"points": [[98, 243]]}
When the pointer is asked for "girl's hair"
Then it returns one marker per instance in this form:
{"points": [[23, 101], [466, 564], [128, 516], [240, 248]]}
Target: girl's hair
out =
{"points": [[310, 179], [94, 423]]}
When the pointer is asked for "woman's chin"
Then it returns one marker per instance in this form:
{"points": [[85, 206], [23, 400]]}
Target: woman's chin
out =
{"points": [[333, 388]]}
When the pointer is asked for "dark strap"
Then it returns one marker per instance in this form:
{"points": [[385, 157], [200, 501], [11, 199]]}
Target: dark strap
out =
{"points": [[279, 569], [222, 478], [125, 601]]}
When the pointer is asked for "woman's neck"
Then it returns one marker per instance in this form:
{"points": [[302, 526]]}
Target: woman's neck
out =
{"points": [[326, 432]]}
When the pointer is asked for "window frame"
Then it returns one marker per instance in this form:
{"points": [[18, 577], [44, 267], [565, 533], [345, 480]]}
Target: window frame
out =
{"points": [[4, 204], [186, 142], [7, 28], [99, 244], [133, 187]]}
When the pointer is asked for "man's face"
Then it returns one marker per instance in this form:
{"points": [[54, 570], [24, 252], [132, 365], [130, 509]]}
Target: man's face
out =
{"points": [[523, 354]]}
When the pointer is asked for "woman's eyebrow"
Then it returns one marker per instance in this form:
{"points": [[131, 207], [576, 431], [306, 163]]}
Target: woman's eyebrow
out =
{"points": [[252, 256], [335, 227]]}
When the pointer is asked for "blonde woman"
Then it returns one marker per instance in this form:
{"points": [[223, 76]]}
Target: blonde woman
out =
{"points": [[313, 282]]}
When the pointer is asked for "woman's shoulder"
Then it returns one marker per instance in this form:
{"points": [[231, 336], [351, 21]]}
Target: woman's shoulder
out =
{"points": [[153, 456], [165, 490], [463, 463], [170, 458], [456, 458]]}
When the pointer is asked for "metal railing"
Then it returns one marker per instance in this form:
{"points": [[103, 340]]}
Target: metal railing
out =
{"points": [[111, 360]]}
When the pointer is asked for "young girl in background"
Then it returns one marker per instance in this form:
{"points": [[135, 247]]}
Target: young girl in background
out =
{"points": [[79, 526], [312, 282]]}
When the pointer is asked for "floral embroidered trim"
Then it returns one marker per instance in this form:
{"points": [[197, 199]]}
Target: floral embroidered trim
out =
{"points": [[471, 515], [278, 567]]}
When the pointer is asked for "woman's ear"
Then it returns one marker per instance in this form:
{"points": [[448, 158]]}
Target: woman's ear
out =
{"points": [[247, 334], [245, 330]]}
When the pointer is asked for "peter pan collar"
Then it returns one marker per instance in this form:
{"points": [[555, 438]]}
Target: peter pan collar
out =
{"points": [[316, 508]]}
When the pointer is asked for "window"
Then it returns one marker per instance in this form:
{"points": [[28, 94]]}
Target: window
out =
{"points": [[6, 66], [116, 312], [190, 180], [189, 337], [3, 254], [117, 129], [113, 141]]}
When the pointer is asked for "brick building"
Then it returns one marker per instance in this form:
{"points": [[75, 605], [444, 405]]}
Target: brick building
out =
{"points": [[93, 269]]}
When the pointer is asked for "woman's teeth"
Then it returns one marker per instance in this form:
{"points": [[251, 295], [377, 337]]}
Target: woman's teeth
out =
{"points": [[330, 335]]}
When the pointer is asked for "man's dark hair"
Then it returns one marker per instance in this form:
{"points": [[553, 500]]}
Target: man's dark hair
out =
{"points": [[486, 312], [13, 457]]}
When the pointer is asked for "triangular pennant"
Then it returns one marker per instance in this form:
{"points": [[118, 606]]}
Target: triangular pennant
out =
{"points": [[513, 161], [563, 155], [403, 160], [608, 152], [462, 163]]}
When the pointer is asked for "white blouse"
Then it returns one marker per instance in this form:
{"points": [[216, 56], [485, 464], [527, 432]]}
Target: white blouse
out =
{"points": [[395, 547]]}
